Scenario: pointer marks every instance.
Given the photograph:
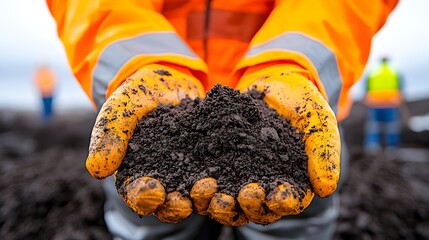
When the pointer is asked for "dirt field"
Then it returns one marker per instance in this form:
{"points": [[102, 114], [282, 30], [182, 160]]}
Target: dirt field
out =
{"points": [[46, 193]]}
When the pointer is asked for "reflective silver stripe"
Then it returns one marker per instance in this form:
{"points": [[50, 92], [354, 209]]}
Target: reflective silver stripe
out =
{"points": [[322, 58], [118, 53]]}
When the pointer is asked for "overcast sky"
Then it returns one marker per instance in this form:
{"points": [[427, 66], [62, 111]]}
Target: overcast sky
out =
{"points": [[28, 36], [28, 32]]}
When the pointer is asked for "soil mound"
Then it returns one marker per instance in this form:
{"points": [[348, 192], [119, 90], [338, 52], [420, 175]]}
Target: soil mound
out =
{"points": [[233, 137]]}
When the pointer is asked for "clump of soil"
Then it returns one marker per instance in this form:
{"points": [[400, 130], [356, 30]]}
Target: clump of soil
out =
{"points": [[233, 137]]}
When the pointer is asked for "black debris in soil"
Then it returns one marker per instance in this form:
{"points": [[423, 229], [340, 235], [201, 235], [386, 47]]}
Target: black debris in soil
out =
{"points": [[233, 137]]}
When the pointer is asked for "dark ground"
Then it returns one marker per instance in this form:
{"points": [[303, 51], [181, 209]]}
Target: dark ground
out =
{"points": [[46, 193]]}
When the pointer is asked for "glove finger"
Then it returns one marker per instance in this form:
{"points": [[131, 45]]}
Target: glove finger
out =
{"points": [[175, 208], [296, 98], [287, 199], [202, 192], [143, 195], [109, 138], [322, 140], [252, 201], [119, 115], [223, 208], [323, 150]]}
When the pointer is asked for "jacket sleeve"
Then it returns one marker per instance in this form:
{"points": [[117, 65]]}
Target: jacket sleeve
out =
{"points": [[330, 39], [108, 40]]}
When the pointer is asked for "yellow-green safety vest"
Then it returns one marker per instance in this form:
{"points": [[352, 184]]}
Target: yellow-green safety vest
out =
{"points": [[384, 78]]}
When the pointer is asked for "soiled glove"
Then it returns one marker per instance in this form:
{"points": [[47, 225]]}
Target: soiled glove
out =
{"points": [[289, 91], [115, 124]]}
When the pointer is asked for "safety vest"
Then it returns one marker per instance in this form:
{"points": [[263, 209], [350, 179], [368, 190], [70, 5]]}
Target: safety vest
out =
{"points": [[383, 88], [217, 40]]}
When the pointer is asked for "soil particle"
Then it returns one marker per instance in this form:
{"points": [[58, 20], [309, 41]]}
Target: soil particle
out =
{"points": [[230, 136], [162, 72], [143, 88]]}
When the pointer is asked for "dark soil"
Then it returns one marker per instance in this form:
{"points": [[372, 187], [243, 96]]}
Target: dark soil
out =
{"points": [[230, 136], [385, 199], [46, 193]]}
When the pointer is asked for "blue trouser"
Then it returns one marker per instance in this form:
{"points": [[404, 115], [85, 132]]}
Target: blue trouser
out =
{"points": [[382, 123], [47, 107]]}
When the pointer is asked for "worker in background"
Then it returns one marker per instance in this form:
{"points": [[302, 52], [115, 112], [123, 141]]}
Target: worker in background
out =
{"points": [[130, 56], [383, 100], [45, 80]]}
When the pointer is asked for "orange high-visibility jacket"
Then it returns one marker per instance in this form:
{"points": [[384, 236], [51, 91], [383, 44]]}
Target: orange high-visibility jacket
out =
{"points": [[45, 81], [108, 40]]}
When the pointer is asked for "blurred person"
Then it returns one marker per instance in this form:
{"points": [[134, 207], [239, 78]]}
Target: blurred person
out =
{"points": [[383, 100], [307, 53], [45, 81]]}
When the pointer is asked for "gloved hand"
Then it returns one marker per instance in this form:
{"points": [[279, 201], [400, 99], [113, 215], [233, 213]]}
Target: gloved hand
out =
{"points": [[136, 97], [115, 124], [289, 91]]}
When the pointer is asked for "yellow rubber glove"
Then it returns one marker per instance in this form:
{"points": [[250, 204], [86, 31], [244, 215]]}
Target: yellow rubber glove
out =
{"points": [[289, 91], [115, 124]]}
